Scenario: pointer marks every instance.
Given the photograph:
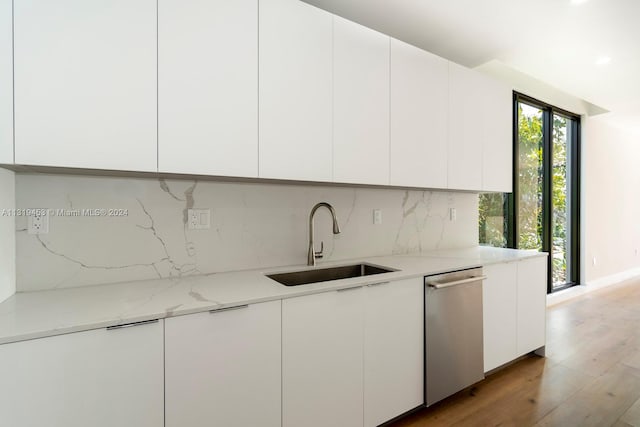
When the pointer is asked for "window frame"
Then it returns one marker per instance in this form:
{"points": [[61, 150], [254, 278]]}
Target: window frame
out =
{"points": [[547, 187]]}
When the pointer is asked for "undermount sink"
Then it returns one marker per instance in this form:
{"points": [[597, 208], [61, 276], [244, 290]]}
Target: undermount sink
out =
{"points": [[305, 277]]}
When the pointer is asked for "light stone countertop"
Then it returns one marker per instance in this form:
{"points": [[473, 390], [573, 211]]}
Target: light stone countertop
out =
{"points": [[40, 314]]}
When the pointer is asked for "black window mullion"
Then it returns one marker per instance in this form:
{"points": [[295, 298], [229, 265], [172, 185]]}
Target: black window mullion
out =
{"points": [[547, 189], [511, 208], [575, 202]]}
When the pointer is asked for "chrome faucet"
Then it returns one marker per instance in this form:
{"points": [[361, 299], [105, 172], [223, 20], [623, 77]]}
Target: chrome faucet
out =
{"points": [[312, 254]]}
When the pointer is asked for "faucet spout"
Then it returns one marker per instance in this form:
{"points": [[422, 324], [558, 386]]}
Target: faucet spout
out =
{"points": [[311, 253]]}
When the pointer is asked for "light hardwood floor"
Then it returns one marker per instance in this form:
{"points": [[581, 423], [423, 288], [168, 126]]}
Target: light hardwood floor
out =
{"points": [[590, 376]]}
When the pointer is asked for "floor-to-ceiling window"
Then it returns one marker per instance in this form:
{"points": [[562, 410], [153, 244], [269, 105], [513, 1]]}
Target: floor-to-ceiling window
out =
{"points": [[543, 211]]}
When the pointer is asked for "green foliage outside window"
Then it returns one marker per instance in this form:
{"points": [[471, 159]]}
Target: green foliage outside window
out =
{"points": [[492, 208]]}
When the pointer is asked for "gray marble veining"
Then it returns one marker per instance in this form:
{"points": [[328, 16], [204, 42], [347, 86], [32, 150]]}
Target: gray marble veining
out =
{"points": [[44, 313], [252, 226]]}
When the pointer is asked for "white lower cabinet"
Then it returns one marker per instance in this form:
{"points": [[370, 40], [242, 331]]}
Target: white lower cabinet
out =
{"points": [[514, 310], [499, 311], [322, 343], [532, 304], [98, 378], [223, 367], [353, 357], [393, 349]]}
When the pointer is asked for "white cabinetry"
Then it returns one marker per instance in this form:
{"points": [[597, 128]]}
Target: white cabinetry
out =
{"points": [[419, 94], [480, 143], [514, 310], [295, 91], [223, 368], [351, 353], [208, 87], [532, 304], [360, 104], [465, 129], [95, 378], [499, 308], [393, 349], [6, 81], [497, 149], [322, 371], [85, 83]]}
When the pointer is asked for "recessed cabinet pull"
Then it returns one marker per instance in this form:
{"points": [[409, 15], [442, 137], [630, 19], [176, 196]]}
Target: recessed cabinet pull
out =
{"points": [[348, 289], [235, 307], [378, 284], [130, 325]]}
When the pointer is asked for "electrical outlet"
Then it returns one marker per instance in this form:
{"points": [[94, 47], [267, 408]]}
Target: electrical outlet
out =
{"points": [[38, 223], [199, 219], [377, 216], [594, 261], [453, 215]]}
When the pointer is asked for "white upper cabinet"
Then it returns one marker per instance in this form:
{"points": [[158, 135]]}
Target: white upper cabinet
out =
{"points": [[208, 87], [85, 83], [497, 159], [419, 97], [6, 81], [465, 129], [480, 129], [99, 378], [360, 104], [295, 91]]}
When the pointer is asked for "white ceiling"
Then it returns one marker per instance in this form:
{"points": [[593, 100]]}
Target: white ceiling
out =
{"points": [[555, 41]]}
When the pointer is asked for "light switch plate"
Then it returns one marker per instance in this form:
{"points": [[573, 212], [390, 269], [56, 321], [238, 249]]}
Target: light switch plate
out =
{"points": [[377, 216], [199, 219]]}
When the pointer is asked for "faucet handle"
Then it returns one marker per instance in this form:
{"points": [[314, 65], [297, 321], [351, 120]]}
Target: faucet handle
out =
{"points": [[318, 255]]}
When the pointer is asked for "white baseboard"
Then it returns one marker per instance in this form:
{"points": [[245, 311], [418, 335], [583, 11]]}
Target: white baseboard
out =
{"points": [[590, 286]]}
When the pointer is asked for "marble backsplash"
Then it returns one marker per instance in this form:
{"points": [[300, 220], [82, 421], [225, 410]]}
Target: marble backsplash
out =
{"points": [[253, 225]]}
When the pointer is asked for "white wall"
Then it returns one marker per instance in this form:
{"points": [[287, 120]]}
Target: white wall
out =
{"points": [[611, 199], [253, 226], [7, 235]]}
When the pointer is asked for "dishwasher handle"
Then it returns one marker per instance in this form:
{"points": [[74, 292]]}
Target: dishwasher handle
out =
{"points": [[441, 285]]}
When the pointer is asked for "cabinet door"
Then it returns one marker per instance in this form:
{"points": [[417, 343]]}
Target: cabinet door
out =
{"points": [[96, 378], [419, 97], [499, 308], [465, 128], [6, 81], [360, 104], [295, 91], [208, 87], [223, 368], [85, 83], [322, 359], [393, 349], [497, 158], [532, 304]]}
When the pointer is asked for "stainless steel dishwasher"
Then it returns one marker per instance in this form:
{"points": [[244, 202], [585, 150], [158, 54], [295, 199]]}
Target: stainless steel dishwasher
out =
{"points": [[453, 333]]}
